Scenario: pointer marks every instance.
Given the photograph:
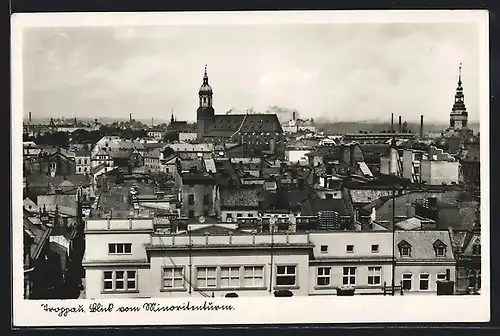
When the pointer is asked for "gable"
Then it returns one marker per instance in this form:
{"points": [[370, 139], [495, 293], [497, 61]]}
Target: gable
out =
{"points": [[438, 243], [404, 243]]}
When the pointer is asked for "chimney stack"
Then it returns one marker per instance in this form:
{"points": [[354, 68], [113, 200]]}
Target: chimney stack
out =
{"points": [[130, 116], [421, 126], [293, 115], [392, 122], [399, 129], [29, 118]]}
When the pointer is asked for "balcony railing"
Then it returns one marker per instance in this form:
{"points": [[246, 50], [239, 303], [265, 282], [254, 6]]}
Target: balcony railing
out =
{"points": [[221, 240]]}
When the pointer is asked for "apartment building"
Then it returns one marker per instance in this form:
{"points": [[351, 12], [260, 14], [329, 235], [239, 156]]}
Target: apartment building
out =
{"points": [[130, 258]]}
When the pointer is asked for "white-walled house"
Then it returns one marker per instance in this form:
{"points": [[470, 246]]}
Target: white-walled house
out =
{"points": [[129, 258]]}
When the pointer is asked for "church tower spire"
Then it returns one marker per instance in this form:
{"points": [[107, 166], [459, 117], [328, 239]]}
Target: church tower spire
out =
{"points": [[459, 115], [205, 93], [205, 113]]}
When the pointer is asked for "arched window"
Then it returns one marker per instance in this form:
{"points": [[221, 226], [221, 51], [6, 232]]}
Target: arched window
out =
{"points": [[204, 100]]}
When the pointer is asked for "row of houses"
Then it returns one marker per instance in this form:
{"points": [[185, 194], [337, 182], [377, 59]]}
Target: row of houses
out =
{"points": [[132, 258]]}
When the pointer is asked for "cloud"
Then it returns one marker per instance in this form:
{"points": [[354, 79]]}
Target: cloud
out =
{"points": [[341, 71]]}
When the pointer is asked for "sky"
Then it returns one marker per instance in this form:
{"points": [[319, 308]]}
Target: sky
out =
{"points": [[338, 71]]}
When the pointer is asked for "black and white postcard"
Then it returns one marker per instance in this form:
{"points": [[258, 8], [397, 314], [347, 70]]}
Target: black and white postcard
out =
{"points": [[250, 168]]}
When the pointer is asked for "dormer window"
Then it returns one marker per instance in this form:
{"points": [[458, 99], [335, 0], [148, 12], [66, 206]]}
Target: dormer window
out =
{"points": [[439, 248], [404, 249]]}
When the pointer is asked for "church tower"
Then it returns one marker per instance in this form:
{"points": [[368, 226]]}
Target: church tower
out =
{"points": [[205, 112], [459, 115]]}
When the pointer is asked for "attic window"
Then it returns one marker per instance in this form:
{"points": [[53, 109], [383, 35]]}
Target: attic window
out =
{"points": [[439, 248], [404, 249]]}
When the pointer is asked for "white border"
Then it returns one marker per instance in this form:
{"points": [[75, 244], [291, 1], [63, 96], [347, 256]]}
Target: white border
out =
{"points": [[328, 309]]}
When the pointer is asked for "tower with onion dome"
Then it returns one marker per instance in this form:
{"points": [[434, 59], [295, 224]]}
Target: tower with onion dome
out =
{"points": [[205, 113]]}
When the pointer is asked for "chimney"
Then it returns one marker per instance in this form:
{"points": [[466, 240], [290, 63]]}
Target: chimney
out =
{"points": [[29, 117], [399, 129], [393, 162], [130, 116], [392, 122], [293, 115], [421, 126]]}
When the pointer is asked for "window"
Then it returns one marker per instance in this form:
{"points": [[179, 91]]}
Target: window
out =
{"points": [[250, 215], [424, 281], [121, 248], [206, 277], [374, 275], [349, 248], [286, 275], [323, 278], [407, 280], [440, 251], [230, 277], [119, 281], [349, 276], [329, 196], [253, 276], [229, 218], [441, 276], [374, 248], [324, 248], [191, 199], [239, 215], [405, 251], [173, 277]]}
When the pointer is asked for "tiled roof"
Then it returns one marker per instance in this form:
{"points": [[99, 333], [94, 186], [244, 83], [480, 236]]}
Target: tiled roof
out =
{"points": [[226, 125], [187, 147], [458, 218], [331, 152], [373, 152], [120, 154], [152, 145], [367, 195], [40, 232], [188, 164], [153, 154], [422, 244], [82, 153], [242, 196], [44, 180], [312, 206], [458, 238], [377, 203]]}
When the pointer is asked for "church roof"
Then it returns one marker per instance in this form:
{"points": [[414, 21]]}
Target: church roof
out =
{"points": [[227, 125]]}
